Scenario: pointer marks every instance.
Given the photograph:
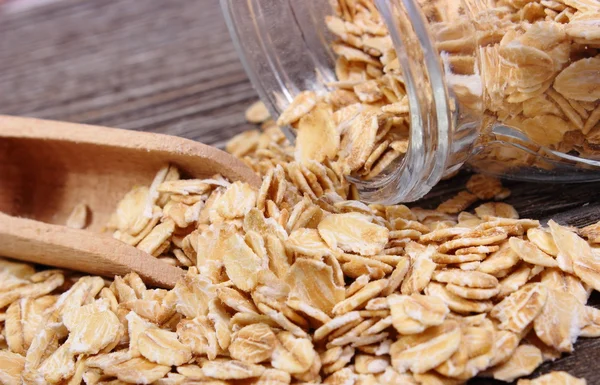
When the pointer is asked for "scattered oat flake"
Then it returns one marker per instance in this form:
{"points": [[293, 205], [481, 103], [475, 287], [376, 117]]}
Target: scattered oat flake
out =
{"points": [[369, 291], [496, 209], [312, 281], [92, 327], [554, 378], [317, 138], [472, 293], [163, 347], [575, 255], [580, 80], [239, 198], [257, 112], [231, 370], [458, 203], [466, 278], [358, 142], [522, 362], [184, 187], [422, 352], [253, 343], [413, 314], [292, 354], [11, 367], [420, 270], [560, 322], [456, 303], [483, 186], [138, 371], [78, 219], [530, 253], [301, 105], [543, 240], [353, 232], [475, 238], [519, 309], [241, 263]]}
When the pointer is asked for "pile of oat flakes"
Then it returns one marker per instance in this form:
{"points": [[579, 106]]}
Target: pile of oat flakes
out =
{"points": [[298, 283]]}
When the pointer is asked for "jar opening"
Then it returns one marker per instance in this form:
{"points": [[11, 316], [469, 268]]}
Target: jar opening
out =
{"points": [[279, 71], [430, 116]]}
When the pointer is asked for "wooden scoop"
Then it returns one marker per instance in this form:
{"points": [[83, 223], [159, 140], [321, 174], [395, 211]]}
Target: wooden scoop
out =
{"points": [[48, 167]]}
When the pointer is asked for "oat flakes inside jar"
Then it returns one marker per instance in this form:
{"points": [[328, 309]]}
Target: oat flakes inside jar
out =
{"points": [[397, 94]]}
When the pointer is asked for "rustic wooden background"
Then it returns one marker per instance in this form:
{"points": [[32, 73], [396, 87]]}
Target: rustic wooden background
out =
{"points": [[170, 67]]}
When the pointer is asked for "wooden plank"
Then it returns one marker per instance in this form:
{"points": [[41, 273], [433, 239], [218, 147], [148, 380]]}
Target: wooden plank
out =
{"points": [[160, 66], [169, 67]]}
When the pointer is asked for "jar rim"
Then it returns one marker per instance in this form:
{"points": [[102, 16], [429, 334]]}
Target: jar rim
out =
{"points": [[431, 121]]}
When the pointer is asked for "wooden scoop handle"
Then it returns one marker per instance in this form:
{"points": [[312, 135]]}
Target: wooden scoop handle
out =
{"points": [[197, 158], [59, 246]]}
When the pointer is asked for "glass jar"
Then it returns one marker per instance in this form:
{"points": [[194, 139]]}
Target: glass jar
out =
{"points": [[508, 87]]}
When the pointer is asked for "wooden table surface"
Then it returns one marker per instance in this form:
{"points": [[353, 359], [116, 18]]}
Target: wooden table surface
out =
{"points": [[170, 67]]}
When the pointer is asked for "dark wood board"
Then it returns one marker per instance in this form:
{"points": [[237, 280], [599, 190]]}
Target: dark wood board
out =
{"points": [[170, 67]]}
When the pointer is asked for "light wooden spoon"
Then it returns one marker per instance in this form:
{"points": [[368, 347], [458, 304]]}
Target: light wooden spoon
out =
{"points": [[48, 167]]}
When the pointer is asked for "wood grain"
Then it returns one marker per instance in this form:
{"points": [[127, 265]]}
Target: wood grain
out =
{"points": [[160, 66], [169, 67]]}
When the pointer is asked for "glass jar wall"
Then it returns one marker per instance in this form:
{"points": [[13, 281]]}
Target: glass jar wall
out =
{"points": [[397, 94]]}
